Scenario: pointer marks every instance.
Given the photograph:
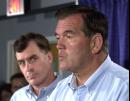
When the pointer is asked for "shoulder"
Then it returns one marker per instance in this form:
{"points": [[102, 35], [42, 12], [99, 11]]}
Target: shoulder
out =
{"points": [[117, 79], [118, 72], [19, 93]]}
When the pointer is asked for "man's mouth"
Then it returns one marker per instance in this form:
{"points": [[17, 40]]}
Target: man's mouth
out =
{"points": [[30, 76]]}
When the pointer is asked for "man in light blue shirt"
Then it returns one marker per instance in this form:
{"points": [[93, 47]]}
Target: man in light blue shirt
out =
{"points": [[27, 94], [34, 58], [82, 48]]}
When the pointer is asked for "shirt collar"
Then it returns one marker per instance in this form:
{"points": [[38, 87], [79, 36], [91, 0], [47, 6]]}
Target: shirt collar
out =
{"points": [[30, 93], [44, 90], [51, 86], [72, 82], [94, 77]]}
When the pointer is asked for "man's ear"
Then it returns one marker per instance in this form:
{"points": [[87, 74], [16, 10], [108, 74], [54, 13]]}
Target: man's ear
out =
{"points": [[50, 56], [96, 43]]}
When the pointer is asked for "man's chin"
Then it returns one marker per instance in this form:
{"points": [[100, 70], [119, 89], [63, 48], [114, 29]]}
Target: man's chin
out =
{"points": [[64, 68], [32, 82]]}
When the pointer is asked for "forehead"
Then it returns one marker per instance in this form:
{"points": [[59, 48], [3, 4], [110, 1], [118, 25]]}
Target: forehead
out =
{"points": [[71, 22], [31, 49]]}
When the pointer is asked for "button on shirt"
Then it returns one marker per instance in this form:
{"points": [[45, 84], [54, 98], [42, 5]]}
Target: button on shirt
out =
{"points": [[108, 83], [26, 93]]}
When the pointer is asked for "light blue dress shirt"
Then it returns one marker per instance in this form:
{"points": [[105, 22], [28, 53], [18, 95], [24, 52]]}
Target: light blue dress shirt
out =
{"points": [[26, 93], [109, 83]]}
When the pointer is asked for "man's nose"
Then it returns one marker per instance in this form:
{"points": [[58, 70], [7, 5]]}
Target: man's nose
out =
{"points": [[60, 43], [28, 66]]}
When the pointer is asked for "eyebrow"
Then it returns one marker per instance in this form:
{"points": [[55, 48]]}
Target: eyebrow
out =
{"points": [[27, 58], [66, 31], [32, 56]]}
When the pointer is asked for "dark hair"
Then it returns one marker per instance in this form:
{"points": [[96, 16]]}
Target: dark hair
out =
{"points": [[22, 42], [17, 75], [94, 21]]}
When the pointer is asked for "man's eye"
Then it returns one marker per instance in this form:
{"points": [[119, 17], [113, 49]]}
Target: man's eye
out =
{"points": [[33, 59], [21, 63], [69, 35]]}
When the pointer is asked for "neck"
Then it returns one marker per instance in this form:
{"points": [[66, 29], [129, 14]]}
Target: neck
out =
{"points": [[49, 79], [83, 75]]}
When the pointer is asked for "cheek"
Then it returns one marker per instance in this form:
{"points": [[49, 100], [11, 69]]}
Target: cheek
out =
{"points": [[42, 66], [77, 51]]}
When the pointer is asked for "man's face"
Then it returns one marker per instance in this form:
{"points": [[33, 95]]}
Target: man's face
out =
{"points": [[73, 46], [35, 64]]}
